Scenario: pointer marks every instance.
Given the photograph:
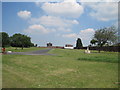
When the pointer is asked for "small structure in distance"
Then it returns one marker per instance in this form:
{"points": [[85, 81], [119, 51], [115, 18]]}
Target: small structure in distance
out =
{"points": [[49, 44], [68, 46], [87, 51], [9, 51]]}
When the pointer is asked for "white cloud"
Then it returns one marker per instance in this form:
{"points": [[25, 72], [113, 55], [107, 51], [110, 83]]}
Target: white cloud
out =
{"points": [[65, 9], [53, 21], [38, 29], [98, 1], [86, 35], [37, 3], [75, 22], [24, 14], [71, 35], [104, 11], [64, 29]]}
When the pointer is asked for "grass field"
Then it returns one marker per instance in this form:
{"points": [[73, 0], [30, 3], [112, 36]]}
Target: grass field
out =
{"points": [[23, 50], [67, 69]]}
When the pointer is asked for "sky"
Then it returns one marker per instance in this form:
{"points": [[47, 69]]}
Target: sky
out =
{"points": [[58, 22]]}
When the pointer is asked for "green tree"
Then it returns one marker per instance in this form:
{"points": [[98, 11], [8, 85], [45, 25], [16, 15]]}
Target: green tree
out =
{"points": [[20, 40], [105, 36], [4, 39], [32, 45], [93, 42], [79, 43]]}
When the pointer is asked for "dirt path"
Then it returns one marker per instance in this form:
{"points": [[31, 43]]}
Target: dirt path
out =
{"points": [[38, 52]]}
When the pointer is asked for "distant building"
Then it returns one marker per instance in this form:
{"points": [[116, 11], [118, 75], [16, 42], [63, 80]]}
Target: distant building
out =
{"points": [[49, 44], [69, 46]]}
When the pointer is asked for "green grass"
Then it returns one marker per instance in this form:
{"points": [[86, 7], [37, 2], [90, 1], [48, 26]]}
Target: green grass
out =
{"points": [[93, 56], [61, 71], [13, 49]]}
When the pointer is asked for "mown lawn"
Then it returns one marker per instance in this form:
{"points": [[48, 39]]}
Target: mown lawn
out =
{"points": [[13, 49], [67, 69]]}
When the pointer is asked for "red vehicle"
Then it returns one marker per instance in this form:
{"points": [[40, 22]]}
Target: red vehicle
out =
{"points": [[3, 50]]}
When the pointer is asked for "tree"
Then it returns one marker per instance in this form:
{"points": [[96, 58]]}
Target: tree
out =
{"points": [[36, 45], [79, 44], [19, 40], [105, 36], [4, 39], [93, 42], [32, 45]]}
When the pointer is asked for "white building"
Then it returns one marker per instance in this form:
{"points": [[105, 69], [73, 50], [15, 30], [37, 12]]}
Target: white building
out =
{"points": [[68, 46]]}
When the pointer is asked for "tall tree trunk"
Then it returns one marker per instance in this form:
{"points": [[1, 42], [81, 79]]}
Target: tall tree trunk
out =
{"points": [[22, 47], [100, 48], [16, 48]]}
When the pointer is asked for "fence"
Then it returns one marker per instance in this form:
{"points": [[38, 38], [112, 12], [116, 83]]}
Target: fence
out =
{"points": [[105, 48]]}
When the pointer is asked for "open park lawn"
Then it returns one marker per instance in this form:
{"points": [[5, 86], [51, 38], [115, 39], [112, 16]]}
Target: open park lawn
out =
{"points": [[66, 69]]}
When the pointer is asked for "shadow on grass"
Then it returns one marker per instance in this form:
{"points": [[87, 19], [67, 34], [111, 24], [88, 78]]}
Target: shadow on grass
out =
{"points": [[97, 59]]}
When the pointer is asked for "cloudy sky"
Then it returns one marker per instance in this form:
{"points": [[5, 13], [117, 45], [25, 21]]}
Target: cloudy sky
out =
{"points": [[58, 22]]}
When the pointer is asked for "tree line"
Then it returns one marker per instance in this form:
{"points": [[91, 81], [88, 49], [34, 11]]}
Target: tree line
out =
{"points": [[16, 40]]}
